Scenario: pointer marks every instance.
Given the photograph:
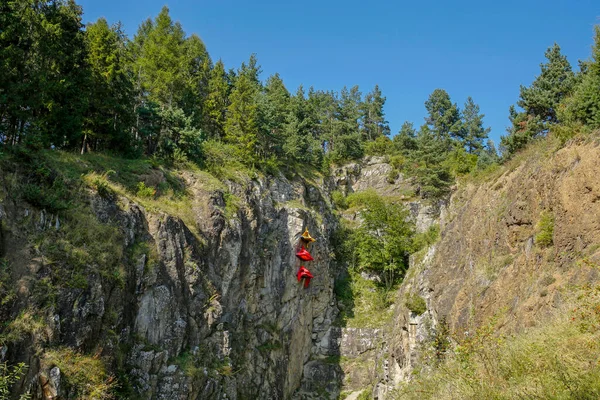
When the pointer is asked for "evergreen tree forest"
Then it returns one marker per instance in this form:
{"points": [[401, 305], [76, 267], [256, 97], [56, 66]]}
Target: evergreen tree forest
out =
{"points": [[159, 94]]}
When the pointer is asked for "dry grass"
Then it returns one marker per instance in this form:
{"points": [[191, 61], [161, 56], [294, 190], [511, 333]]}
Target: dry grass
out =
{"points": [[558, 360], [84, 376]]}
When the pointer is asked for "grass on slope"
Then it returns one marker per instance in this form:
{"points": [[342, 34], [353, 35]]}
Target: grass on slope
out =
{"points": [[364, 303], [558, 360]]}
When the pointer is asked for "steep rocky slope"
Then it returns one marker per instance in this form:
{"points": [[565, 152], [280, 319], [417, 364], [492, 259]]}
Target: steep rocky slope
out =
{"points": [[206, 308], [511, 246], [202, 300]]}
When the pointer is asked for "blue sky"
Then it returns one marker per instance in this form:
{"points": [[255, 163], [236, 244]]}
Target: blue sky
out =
{"points": [[483, 49]]}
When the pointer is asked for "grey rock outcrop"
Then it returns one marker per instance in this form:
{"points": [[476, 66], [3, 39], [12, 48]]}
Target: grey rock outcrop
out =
{"points": [[209, 308]]}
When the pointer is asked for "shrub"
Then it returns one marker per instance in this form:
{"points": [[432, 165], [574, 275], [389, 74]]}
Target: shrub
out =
{"points": [[339, 200], [415, 303], [392, 176], [145, 191], [10, 376], [545, 228], [379, 147], [427, 238]]}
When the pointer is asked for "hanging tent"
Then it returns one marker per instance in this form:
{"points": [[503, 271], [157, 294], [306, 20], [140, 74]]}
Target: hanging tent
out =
{"points": [[304, 255], [306, 237], [305, 274]]}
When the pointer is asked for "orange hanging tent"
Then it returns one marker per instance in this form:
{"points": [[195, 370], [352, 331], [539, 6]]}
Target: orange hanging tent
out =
{"points": [[306, 237], [305, 274]]}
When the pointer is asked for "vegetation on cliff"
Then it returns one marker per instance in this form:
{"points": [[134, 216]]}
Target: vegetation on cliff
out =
{"points": [[142, 112], [557, 360], [159, 94]]}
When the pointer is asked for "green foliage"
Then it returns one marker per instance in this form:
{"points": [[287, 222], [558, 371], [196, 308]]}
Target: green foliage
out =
{"points": [[102, 185], [384, 238], [366, 394], [583, 107], [145, 191], [379, 147], [405, 140], [7, 289], [444, 117], [415, 303], [43, 186], [241, 127], [223, 160], [9, 376], [374, 125], [81, 247], [110, 112], [428, 165], [460, 162], [339, 200], [545, 228], [392, 176], [550, 88], [215, 106], [472, 131], [179, 140], [540, 102], [427, 238], [363, 302]]}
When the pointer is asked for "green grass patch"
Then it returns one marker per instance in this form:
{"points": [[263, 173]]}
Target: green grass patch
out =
{"points": [[364, 303], [82, 246], [84, 376], [26, 325]]}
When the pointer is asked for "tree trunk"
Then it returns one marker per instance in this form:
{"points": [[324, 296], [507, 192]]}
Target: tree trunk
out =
{"points": [[84, 144]]}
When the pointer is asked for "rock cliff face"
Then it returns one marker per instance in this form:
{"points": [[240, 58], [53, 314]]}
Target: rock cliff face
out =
{"points": [[210, 307], [492, 260], [207, 311]]}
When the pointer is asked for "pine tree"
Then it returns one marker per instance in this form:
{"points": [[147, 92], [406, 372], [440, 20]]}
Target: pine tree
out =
{"points": [[444, 116], [521, 130], [161, 59], [217, 101], [346, 142], [273, 115], [405, 140], [326, 107], [584, 106], [63, 74], [373, 120], [488, 156], [196, 68], [252, 71], [302, 143], [472, 127], [109, 115], [433, 176], [19, 91], [242, 127], [550, 88]]}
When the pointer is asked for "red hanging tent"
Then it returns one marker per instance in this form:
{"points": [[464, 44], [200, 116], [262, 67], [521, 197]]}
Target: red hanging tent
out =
{"points": [[305, 274], [304, 255]]}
